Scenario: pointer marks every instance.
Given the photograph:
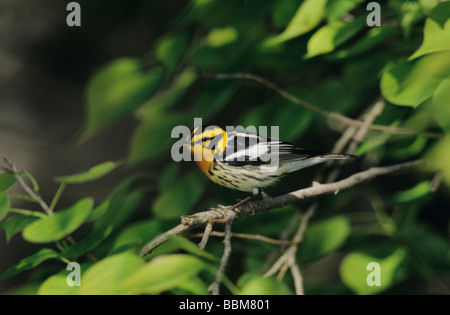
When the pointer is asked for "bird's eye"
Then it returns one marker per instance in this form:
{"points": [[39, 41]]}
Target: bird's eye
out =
{"points": [[207, 138]]}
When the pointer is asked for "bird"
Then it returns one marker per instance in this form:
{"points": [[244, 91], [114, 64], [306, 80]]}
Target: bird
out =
{"points": [[245, 161]]}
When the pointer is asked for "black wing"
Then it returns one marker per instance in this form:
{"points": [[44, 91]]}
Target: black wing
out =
{"points": [[247, 148]]}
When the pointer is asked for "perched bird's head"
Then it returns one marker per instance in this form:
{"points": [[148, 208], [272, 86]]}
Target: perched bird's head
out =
{"points": [[206, 145]]}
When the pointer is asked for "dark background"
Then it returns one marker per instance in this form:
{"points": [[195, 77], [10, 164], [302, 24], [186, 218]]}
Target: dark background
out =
{"points": [[44, 68]]}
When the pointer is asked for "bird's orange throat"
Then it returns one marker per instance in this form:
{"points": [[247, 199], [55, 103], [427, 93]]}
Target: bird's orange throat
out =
{"points": [[203, 158], [204, 165]]}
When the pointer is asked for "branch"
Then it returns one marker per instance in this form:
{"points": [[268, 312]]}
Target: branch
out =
{"points": [[244, 236], [334, 116], [288, 258], [224, 214], [11, 168], [214, 287], [206, 234]]}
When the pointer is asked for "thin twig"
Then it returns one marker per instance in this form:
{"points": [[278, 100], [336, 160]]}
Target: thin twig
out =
{"points": [[256, 237], [57, 196], [214, 287], [288, 258], [206, 235], [298, 279], [334, 116], [13, 170], [436, 181], [355, 136], [368, 119], [164, 237]]}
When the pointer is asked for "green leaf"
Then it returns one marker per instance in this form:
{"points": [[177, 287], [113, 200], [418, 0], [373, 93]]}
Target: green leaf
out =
{"points": [[57, 285], [16, 224], [332, 95], [259, 285], [440, 107], [163, 273], [437, 160], [156, 124], [428, 5], [4, 206], [373, 37], [87, 243], [192, 286], [407, 148], [123, 203], [92, 174], [99, 210], [166, 99], [191, 247], [59, 225], [138, 234], [30, 262], [324, 237], [308, 16], [168, 176], [170, 49], [214, 96], [411, 83], [109, 275], [430, 245], [338, 8], [284, 11], [414, 193], [116, 90], [436, 32], [221, 36], [146, 143], [410, 14], [7, 180], [181, 197], [327, 38], [354, 269], [292, 117], [364, 72]]}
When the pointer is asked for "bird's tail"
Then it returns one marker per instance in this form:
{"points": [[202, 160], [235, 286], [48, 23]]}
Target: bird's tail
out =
{"points": [[337, 156], [317, 159]]}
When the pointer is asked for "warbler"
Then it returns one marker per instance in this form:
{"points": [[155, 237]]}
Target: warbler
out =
{"points": [[249, 162]]}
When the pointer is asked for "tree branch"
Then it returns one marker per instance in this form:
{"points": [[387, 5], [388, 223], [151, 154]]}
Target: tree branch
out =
{"points": [[224, 214], [214, 287], [255, 237], [11, 168], [333, 116]]}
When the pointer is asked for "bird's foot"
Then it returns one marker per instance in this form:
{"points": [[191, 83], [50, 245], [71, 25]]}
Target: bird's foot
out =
{"points": [[240, 203], [264, 195]]}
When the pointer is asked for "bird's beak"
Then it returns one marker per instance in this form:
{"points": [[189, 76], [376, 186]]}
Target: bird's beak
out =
{"points": [[187, 146]]}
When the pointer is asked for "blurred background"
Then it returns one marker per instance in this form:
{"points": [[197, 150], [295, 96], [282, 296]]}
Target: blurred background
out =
{"points": [[55, 80], [44, 69]]}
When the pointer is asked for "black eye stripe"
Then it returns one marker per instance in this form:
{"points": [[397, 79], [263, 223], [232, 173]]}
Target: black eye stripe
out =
{"points": [[208, 138], [216, 138]]}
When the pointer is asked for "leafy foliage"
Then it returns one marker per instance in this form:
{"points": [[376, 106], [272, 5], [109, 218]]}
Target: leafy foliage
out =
{"points": [[321, 51]]}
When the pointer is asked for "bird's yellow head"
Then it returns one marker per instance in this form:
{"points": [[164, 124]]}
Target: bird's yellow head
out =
{"points": [[206, 145]]}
